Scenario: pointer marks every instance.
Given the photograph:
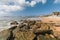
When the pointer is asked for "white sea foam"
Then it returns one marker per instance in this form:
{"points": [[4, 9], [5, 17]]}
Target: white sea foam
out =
{"points": [[5, 22]]}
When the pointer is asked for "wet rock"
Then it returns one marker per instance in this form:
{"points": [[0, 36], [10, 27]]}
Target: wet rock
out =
{"points": [[14, 23], [39, 31], [12, 28], [43, 32], [11, 37]]}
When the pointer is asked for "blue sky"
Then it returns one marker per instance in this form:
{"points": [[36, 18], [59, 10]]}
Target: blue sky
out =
{"points": [[28, 7]]}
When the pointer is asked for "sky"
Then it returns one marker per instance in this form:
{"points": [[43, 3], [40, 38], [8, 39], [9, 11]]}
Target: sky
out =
{"points": [[28, 7]]}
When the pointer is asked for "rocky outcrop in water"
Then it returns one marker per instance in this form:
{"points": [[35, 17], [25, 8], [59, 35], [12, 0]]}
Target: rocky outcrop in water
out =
{"points": [[29, 30]]}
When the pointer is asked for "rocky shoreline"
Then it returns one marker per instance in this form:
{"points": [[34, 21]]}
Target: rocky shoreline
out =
{"points": [[29, 30], [39, 28]]}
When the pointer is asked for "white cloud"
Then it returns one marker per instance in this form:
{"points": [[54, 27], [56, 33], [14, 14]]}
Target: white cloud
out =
{"points": [[18, 5], [7, 9], [10, 8], [32, 3], [43, 1], [57, 1], [5, 6], [20, 2]]}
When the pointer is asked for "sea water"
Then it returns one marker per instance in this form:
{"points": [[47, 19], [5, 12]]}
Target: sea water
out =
{"points": [[6, 20]]}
